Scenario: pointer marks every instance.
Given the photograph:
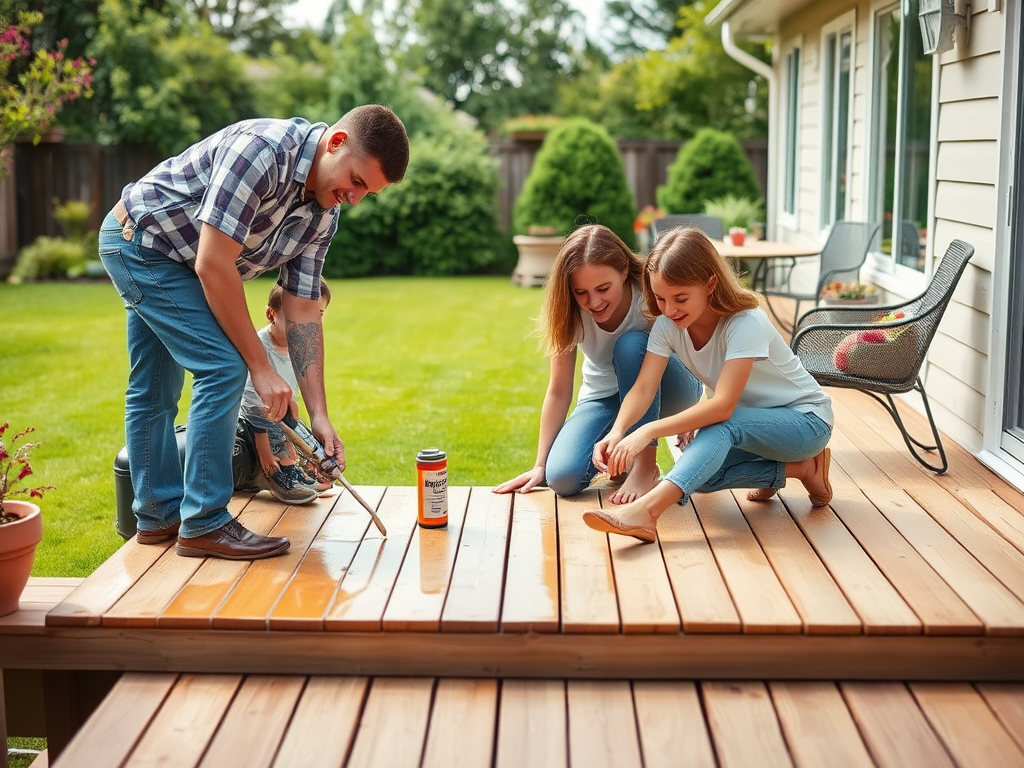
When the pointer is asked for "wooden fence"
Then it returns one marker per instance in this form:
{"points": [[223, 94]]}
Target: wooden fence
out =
{"points": [[94, 173]]}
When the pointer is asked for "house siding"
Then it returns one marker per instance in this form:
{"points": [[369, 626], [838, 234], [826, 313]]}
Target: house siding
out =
{"points": [[966, 166]]}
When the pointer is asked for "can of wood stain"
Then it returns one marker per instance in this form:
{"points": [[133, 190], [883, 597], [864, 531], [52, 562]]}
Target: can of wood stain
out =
{"points": [[432, 487]]}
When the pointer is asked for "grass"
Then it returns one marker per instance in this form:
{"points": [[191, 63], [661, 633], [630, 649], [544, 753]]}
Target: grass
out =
{"points": [[411, 363]]}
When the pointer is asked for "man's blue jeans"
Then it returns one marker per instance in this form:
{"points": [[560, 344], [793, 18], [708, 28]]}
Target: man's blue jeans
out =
{"points": [[172, 330], [750, 450], [570, 467]]}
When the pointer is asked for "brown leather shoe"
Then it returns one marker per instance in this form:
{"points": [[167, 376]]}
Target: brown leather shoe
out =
{"points": [[159, 535], [232, 541]]}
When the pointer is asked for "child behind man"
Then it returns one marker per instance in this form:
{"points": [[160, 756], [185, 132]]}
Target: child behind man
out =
{"points": [[282, 474]]}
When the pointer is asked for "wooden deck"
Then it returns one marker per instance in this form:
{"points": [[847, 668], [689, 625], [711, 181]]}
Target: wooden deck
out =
{"points": [[907, 576], [264, 721]]}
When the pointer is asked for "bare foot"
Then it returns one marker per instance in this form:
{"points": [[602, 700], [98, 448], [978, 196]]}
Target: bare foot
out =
{"points": [[760, 494], [638, 482], [819, 489], [629, 520]]}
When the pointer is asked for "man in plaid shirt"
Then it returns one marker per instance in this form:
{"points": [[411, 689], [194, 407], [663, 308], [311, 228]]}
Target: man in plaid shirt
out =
{"points": [[258, 195]]}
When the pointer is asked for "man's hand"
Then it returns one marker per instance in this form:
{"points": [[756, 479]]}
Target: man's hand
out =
{"points": [[273, 391], [324, 431]]}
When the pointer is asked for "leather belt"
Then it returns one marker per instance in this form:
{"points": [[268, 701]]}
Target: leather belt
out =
{"points": [[127, 225]]}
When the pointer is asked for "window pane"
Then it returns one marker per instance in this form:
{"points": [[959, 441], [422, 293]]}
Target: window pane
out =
{"points": [[828, 132], [917, 112], [843, 76], [887, 72], [792, 115]]}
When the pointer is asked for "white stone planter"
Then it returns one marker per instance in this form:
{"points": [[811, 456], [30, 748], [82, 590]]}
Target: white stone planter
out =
{"points": [[536, 257]]}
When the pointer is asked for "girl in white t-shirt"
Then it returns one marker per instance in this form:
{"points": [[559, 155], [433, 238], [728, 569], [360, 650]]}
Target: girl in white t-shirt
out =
{"points": [[594, 303], [765, 418]]}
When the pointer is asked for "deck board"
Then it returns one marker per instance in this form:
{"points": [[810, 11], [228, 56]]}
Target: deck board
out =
{"points": [[905, 576], [152, 719]]}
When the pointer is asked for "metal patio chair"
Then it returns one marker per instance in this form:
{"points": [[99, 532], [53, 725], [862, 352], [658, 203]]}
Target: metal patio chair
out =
{"points": [[709, 225], [842, 257], [832, 345]]}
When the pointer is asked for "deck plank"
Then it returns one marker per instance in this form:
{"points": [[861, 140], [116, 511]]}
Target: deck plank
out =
{"points": [[646, 602], [475, 589], [186, 722], [363, 594], [815, 595], [85, 606], [589, 603], [323, 727], [252, 728], [763, 604], [142, 604], [671, 725], [194, 605], [116, 724], [257, 591], [818, 727], [880, 607], [531, 724], [701, 596], [394, 723], [602, 729], [964, 722], [305, 601], [531, 602], [743, 725], [994, 510], [462, 724], [893, 727], [422, 585], [1007, 702], [940, 609]]}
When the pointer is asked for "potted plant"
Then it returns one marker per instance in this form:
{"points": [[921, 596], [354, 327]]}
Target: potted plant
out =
{"points": [[21, 527], [642, 226], [736, 213], [849, 293]]}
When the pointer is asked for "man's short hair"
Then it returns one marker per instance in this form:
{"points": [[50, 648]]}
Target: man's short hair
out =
{"points": [[378, 132]]}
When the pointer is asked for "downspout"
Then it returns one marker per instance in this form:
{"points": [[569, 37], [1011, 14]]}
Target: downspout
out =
{"points": [[758, 67]]}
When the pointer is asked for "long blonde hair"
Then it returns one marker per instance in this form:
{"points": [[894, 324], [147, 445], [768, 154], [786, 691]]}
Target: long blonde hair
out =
{"points": [[561, 325], [686, 257]]}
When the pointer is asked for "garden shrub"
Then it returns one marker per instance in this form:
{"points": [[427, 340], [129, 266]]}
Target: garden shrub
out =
{"points": [[711, 165], [440, 220], [577, 178], [50, 258]]}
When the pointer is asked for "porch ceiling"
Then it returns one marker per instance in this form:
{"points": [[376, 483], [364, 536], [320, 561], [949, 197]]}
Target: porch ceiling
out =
{"points": [[753, 17]]}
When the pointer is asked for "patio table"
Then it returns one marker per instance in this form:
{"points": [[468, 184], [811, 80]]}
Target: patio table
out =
{"points": [[763, 252]]}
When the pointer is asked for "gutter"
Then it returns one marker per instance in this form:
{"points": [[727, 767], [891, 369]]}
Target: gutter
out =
{"points": [[758, 67]]}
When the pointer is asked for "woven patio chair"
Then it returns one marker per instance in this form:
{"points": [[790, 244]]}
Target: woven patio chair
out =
{"points": [[709, 225], [853, 348], [842, 257]]}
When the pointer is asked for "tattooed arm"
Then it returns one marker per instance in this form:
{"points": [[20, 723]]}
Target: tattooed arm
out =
{"points": [[304, 327]]}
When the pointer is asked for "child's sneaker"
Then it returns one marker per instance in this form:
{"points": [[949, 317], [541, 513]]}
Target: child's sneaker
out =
{"points": [[321, 480], [284, 488]]}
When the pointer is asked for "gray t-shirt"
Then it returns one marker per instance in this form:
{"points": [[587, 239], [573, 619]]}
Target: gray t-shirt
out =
{"points": [[778, 378], [252, 403], [597, 346]]}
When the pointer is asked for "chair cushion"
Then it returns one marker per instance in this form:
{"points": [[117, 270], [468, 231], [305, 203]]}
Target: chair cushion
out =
{"points": [[887, 354]]}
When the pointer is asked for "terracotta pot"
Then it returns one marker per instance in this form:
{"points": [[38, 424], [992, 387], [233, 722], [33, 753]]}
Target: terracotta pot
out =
{"points": [[18, 541]]}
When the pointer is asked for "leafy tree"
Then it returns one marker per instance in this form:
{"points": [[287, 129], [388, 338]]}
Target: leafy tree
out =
{"points": [[162, 83], [636, 26], [252, 25], [576, 177]]}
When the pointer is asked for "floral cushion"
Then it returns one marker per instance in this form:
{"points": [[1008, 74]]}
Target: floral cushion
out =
{"points": [[887, 353]]}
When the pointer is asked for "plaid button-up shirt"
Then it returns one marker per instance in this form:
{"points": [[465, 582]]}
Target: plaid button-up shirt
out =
{"points": [[246, 180]]}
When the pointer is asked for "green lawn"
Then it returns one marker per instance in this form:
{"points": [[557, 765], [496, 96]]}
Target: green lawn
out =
{"points": [[411, 363]]}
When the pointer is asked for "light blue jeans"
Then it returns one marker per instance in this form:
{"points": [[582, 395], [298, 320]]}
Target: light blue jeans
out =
{"points": [[170, 330], [750, 450], [570, 467]]}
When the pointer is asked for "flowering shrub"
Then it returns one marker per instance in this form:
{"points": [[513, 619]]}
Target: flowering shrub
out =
{"points": [[647, 216], [16, 464], [48, 81], [847, 291]]}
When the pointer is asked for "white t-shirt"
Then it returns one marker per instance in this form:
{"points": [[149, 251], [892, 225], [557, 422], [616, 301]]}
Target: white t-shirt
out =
{"points": [[597, 346], [282, 363], [778, 378]]}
